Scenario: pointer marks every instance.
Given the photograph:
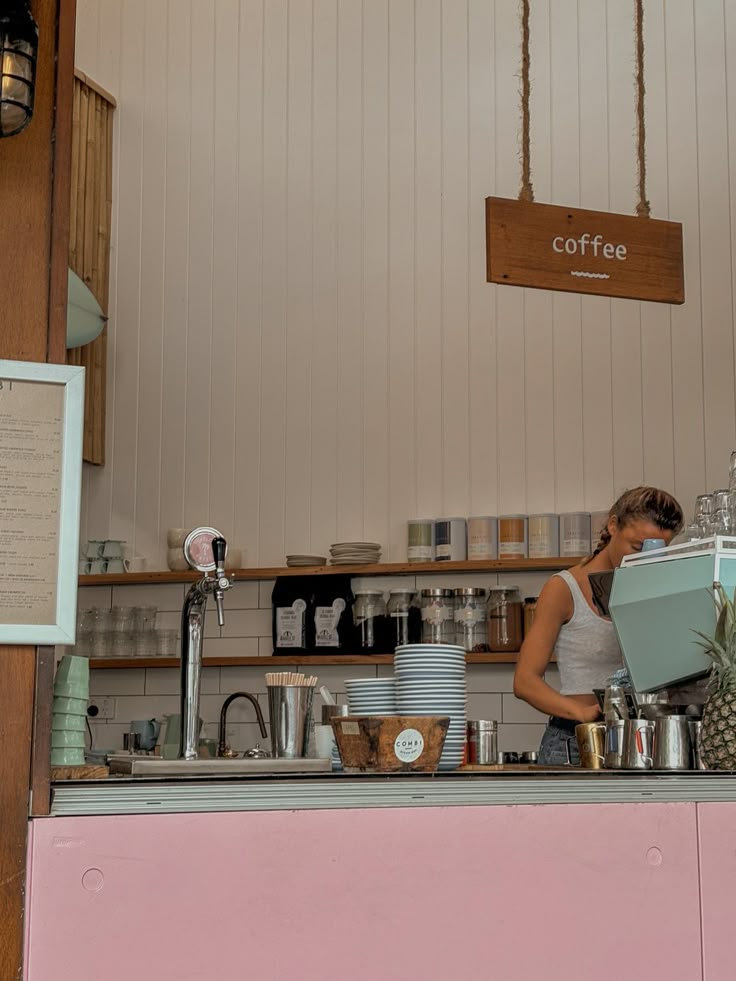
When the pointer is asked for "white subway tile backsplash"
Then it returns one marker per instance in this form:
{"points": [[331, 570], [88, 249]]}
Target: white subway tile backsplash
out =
{"points": [[166, 596], [519, 738], [243, 596], [528, 583], [145, 707], [484, 706], [117, 681], [490, 677], [231, 647], [334, 675], [248, 679], [109, 735], [265, 646], [247, 623], [165, 681], [515, 710]]}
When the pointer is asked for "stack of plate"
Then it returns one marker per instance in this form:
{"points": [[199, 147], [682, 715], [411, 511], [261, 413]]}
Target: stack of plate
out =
{"points": [[430, 680], [371, 696], [355, 553], [298, 561]]}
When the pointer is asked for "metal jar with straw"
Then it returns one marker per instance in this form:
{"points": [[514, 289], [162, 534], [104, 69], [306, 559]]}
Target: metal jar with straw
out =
{"points": [[290, 710]]}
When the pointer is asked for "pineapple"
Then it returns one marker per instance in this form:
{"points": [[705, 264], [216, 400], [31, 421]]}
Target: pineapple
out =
{"points": [[718, 731]]}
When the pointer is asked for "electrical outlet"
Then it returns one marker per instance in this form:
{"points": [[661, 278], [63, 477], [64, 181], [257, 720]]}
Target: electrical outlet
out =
{"points": [[101, 708]]}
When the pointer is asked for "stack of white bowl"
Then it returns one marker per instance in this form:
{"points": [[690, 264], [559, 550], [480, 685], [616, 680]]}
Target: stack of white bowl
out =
{"points": [[371, 696], [430, 680]]}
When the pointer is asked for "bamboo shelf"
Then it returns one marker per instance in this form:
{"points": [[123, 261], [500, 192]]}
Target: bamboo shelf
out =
{"points": [[378, 569], [268, 662]]}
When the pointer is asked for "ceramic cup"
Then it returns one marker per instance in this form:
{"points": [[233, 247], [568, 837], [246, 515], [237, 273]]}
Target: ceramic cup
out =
{"points": [[67, 757], [72, 670], [115, 566], [77, 690], [93, 549], [175, 560], [73, 706], [175, 537], [68, 722], [112, 549], [136, 563], [67, 739]]}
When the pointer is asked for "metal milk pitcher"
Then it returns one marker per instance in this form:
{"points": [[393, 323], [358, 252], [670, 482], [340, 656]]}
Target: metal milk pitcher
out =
{"points": [[638, 738], [672, 743], [614, 745], [591, 742]]}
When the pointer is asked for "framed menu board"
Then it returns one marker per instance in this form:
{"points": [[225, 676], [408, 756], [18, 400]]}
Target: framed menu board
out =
{"points": [[41, 420]]}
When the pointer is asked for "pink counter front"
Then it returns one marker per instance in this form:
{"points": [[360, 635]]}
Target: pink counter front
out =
{"points": [[561, 892]]}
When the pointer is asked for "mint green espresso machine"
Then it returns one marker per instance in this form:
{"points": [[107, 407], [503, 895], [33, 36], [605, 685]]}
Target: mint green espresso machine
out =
{"points": [[658, 598]]}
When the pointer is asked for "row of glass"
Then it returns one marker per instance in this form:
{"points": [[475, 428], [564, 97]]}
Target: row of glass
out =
{"points": [[123, 631], [476, 618], [715, 514]]}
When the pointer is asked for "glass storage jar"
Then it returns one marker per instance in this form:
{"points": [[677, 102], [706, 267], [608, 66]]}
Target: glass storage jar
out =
{"points": [[371, 622], [438, 621], [504, 619], [404, 617], [471, 627]]}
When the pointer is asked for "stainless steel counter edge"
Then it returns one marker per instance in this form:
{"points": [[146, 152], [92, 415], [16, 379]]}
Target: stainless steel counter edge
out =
{"points": [[77, 799]]}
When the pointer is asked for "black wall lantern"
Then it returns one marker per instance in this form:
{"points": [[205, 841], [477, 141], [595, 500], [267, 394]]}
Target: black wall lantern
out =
{"points": [[18, 48]]}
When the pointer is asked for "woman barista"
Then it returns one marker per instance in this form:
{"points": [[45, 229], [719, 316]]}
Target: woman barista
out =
{"points": [[567, 625]]}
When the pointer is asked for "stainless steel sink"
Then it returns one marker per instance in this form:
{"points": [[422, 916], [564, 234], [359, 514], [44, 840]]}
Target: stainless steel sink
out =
{"points": [[155, 766]]}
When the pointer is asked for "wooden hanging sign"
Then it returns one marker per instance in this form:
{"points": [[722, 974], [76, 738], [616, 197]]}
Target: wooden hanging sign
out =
{"points": [[577, 251]]}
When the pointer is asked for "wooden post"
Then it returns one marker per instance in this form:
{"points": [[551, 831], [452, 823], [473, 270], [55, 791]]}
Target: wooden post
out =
{"points": [[34, 235]]}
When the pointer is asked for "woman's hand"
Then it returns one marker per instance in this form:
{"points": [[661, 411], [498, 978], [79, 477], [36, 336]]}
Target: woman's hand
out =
{"points": [[588, 713]]}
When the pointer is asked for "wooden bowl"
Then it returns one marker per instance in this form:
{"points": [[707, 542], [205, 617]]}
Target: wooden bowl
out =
{"points": [[390, 743]]}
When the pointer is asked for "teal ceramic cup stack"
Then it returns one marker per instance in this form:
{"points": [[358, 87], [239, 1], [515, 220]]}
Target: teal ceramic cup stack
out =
{"points": [[71, 694]]}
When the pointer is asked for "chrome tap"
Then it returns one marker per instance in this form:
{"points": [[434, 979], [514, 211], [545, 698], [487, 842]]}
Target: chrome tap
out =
{"points": [[222, 747], [192, 631]]}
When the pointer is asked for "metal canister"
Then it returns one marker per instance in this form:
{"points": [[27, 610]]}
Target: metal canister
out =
{"points": [[482, 738]]}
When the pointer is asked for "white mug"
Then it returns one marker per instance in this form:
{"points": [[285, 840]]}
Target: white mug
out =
{"points": [[97, 567], [136, 563], [115, 566]]}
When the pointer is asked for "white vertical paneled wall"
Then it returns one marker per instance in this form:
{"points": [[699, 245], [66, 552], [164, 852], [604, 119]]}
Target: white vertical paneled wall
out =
{"points": [[303, 344]]}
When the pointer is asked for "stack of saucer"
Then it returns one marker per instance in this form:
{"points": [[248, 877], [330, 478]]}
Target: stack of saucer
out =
{"points": [[430, 680], [299, 561], [355, 553], [71, 694], [371, 696]]}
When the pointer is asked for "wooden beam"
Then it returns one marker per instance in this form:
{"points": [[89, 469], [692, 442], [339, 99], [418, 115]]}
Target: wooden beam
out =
{"points": [[34, 194]]}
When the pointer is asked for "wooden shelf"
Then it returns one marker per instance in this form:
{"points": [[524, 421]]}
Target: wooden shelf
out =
{"points": [[269, 662], [377, 569]]}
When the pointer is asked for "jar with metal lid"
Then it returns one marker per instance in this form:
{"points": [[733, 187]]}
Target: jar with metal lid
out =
{"points": [[371, 621], [481, 738], [404, 616], [471, 627], [438, 621], [504, 619]]}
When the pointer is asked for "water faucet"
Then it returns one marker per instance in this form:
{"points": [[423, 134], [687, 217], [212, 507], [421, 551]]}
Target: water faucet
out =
{"points": [[222, 747], [197, 548]]}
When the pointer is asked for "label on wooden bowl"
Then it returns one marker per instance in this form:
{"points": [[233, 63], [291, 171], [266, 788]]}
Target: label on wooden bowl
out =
{"points": [[408, 745]]}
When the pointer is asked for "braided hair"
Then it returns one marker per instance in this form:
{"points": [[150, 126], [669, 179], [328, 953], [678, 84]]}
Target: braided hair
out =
{"points": [[642, 504]]}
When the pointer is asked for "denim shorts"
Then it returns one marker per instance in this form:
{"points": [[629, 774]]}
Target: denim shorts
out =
{"points": [[554, 746]]}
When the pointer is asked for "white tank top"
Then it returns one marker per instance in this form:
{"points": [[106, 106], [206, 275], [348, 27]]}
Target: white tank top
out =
{"points": [[587, 650]]}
